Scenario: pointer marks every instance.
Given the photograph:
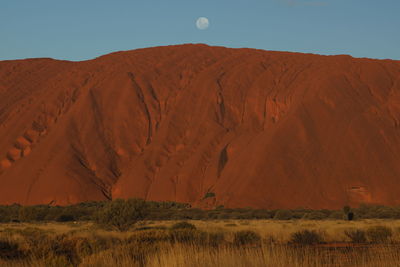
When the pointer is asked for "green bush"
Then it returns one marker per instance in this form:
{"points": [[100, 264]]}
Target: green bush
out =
{"points": [[315, 215], [32, 213], [216, 239], [188, 236], [5, 215], [261, 214], [39, 241], [183, 225], [150, 236], [337, 215], [387, 213], [33, 235], [299, 214], [283, 215], [9, 250], [377, 211], [246, 238], [121, 214], [356, 235], [306, 237], [379, 234], [142, 228], [346, 209], [64, 246], [65, 218], [89, 211]]}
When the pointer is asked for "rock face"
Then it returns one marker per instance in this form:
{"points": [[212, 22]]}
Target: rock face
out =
{"points": [[205, 125]]}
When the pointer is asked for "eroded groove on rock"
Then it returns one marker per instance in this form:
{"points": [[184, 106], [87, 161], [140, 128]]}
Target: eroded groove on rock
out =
{"points": [[223, 160], [141, 97]]}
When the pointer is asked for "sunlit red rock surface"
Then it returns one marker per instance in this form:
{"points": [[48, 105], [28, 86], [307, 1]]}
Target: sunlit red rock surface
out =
{"points": [[255, 128]]}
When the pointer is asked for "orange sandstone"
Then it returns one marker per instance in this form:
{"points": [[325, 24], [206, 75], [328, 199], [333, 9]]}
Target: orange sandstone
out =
{"points": [[256, 128]]}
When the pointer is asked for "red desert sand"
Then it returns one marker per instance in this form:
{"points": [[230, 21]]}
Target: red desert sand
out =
{"points": [[204, 125]]}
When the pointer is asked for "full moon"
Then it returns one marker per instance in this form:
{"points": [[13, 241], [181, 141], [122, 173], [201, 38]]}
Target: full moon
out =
{"points": [[202, 23]]}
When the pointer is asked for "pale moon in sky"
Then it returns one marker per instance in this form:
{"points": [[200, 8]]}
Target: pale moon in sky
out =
{"points": [[202, 23]]}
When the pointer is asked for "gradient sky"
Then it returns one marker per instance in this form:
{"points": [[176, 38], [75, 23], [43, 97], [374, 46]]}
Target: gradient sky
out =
{"points": [[84, 29]]}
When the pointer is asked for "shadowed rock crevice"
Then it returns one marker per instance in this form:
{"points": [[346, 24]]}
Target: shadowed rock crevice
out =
{"points": [[223, 160], [220, 101], [141, 98]]}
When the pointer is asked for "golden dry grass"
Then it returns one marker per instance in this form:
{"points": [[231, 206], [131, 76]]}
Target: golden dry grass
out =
{"points": [[281, 231], [273, 251], [279, 256]]}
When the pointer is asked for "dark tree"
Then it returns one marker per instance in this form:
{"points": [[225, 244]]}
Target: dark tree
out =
{"points": [[122, 214], [346, 209]]}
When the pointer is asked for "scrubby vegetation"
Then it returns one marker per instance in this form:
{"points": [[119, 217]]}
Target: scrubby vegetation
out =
{"points": [[356, 235], [121, 214], [246, 237], [379, 234], [306, 237], [183, 225], [283, 215], [202, 243], [137, 233], [99, 211]]}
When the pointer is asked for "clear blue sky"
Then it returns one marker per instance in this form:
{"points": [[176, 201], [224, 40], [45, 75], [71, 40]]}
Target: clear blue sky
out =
{"points": [[84, 29]]}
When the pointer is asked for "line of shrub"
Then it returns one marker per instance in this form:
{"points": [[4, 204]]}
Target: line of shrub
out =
{"points": [[89, 211]]}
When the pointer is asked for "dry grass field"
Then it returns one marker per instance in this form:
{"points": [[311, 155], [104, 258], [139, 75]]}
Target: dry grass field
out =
{"points": [[212, 243]]}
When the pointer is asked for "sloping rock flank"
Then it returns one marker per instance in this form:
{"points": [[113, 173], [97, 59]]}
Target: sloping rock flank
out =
{"points": [[246, 127]]}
